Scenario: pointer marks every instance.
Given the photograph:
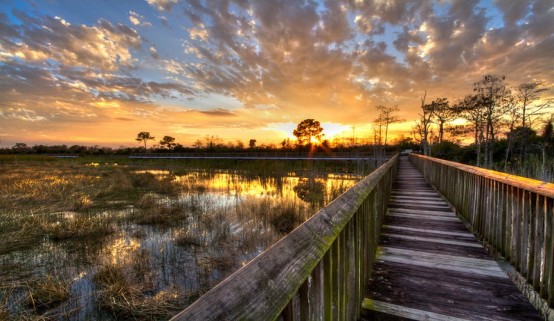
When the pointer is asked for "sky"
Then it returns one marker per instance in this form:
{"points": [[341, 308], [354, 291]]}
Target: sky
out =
{"points": [[98, 72]]}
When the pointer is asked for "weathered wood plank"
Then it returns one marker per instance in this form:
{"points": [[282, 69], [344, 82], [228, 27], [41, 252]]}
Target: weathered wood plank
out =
{"points": [[429, 265], [432, 240], [420, 230], [508, 213], [405, 312], [424, 217], [438, 248], [420, 211], [477, 297], [428, 224], [441, 261], [268, 286]]}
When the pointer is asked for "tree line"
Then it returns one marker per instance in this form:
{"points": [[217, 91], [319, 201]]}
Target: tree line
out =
{"points": [[506, 126]]}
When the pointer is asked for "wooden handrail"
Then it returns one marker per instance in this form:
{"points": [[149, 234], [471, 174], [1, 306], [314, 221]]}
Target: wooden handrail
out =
{"points": [[317, 272], [529, 184], [514, 215]]}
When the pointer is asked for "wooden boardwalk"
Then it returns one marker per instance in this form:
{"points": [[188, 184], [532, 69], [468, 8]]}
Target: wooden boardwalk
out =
{"points": [[430, 267]]}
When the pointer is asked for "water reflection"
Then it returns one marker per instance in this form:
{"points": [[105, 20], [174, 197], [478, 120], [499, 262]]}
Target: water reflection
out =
{"points": [[310, 190], [166, 249]]}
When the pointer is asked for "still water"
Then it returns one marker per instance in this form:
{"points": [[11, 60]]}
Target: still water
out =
{"points": [[152, 258]]}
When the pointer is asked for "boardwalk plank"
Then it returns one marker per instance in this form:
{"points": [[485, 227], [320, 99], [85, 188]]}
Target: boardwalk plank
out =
{"points": [[432, 240], [429, 267]]}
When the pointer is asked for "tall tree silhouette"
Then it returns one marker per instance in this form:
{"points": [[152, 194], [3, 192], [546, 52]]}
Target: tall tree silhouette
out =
{"points": [[144, 137], [308, 130]]}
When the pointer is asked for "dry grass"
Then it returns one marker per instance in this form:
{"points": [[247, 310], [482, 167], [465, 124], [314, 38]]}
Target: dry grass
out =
{"points": [[224, 262], [149, 210], [188, 238], [47, 293], [20, 232], [70, 201], [80, 226], [285, 217], [18, 241], [125, 298]]}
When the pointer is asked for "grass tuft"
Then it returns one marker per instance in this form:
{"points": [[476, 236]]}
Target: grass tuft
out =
{"points": [[285, 217], [47, 293], [151, 211], [80, 226], [126, 299]]}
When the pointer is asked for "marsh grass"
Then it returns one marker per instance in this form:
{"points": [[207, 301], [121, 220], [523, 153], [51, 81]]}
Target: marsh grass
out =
{"points": [[152, 236], [46, 293], [18, 241], [533, 167], [188, 238], [20, 232], [79, 226], [151, 210], [286, 217], [128, 297]]}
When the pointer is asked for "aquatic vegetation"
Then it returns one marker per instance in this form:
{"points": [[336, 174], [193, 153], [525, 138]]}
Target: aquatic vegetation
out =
{"points": [[140, 241], [47, 293]]}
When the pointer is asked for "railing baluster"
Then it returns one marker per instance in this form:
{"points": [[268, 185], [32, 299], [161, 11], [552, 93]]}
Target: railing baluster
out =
{"points": [[538, 240], [514, 215], [548, 284]]}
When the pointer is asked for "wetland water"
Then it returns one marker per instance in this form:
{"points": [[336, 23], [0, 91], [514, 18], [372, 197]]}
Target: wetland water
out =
{"points": [[106, 241]]}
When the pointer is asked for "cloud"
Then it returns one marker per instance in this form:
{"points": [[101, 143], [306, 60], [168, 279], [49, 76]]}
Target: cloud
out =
{"points": [[154, 52], [218, 112], [22, 114], [272, 61], [137, 20], [163, 5], [513, 11], [308, 59], [104, 46]]}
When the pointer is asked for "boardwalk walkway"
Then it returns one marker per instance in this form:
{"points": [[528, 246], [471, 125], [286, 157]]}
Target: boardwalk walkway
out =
{"points": [[430, 267]]}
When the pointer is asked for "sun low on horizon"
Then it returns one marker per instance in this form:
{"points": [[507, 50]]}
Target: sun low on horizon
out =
{"points": [[99, 72]]}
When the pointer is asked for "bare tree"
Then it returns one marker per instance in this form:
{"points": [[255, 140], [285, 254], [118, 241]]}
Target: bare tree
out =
{"points": [[240, 144], [213, 141], [471, 109], [423, 125], [386, 117], [490, 90], [443, 113], [286, 144], [528, 93]]}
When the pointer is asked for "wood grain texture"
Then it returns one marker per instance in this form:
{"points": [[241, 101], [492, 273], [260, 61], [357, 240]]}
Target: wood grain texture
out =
{"points": [[532, 185], [315, 272], [512, 214], [429, 268]]}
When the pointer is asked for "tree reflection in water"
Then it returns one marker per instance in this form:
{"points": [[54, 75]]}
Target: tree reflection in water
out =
{"points": [[311, 191]]}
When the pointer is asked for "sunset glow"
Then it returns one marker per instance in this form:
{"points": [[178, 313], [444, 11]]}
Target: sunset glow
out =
{"points": [[98, 72]]}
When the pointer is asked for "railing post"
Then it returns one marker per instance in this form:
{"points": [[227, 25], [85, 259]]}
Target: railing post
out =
{"points": [[317, 272], [512, 214]]}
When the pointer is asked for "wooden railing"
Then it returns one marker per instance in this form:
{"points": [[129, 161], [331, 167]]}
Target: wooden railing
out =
{"points": [[317, 272], [512, 214]]}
